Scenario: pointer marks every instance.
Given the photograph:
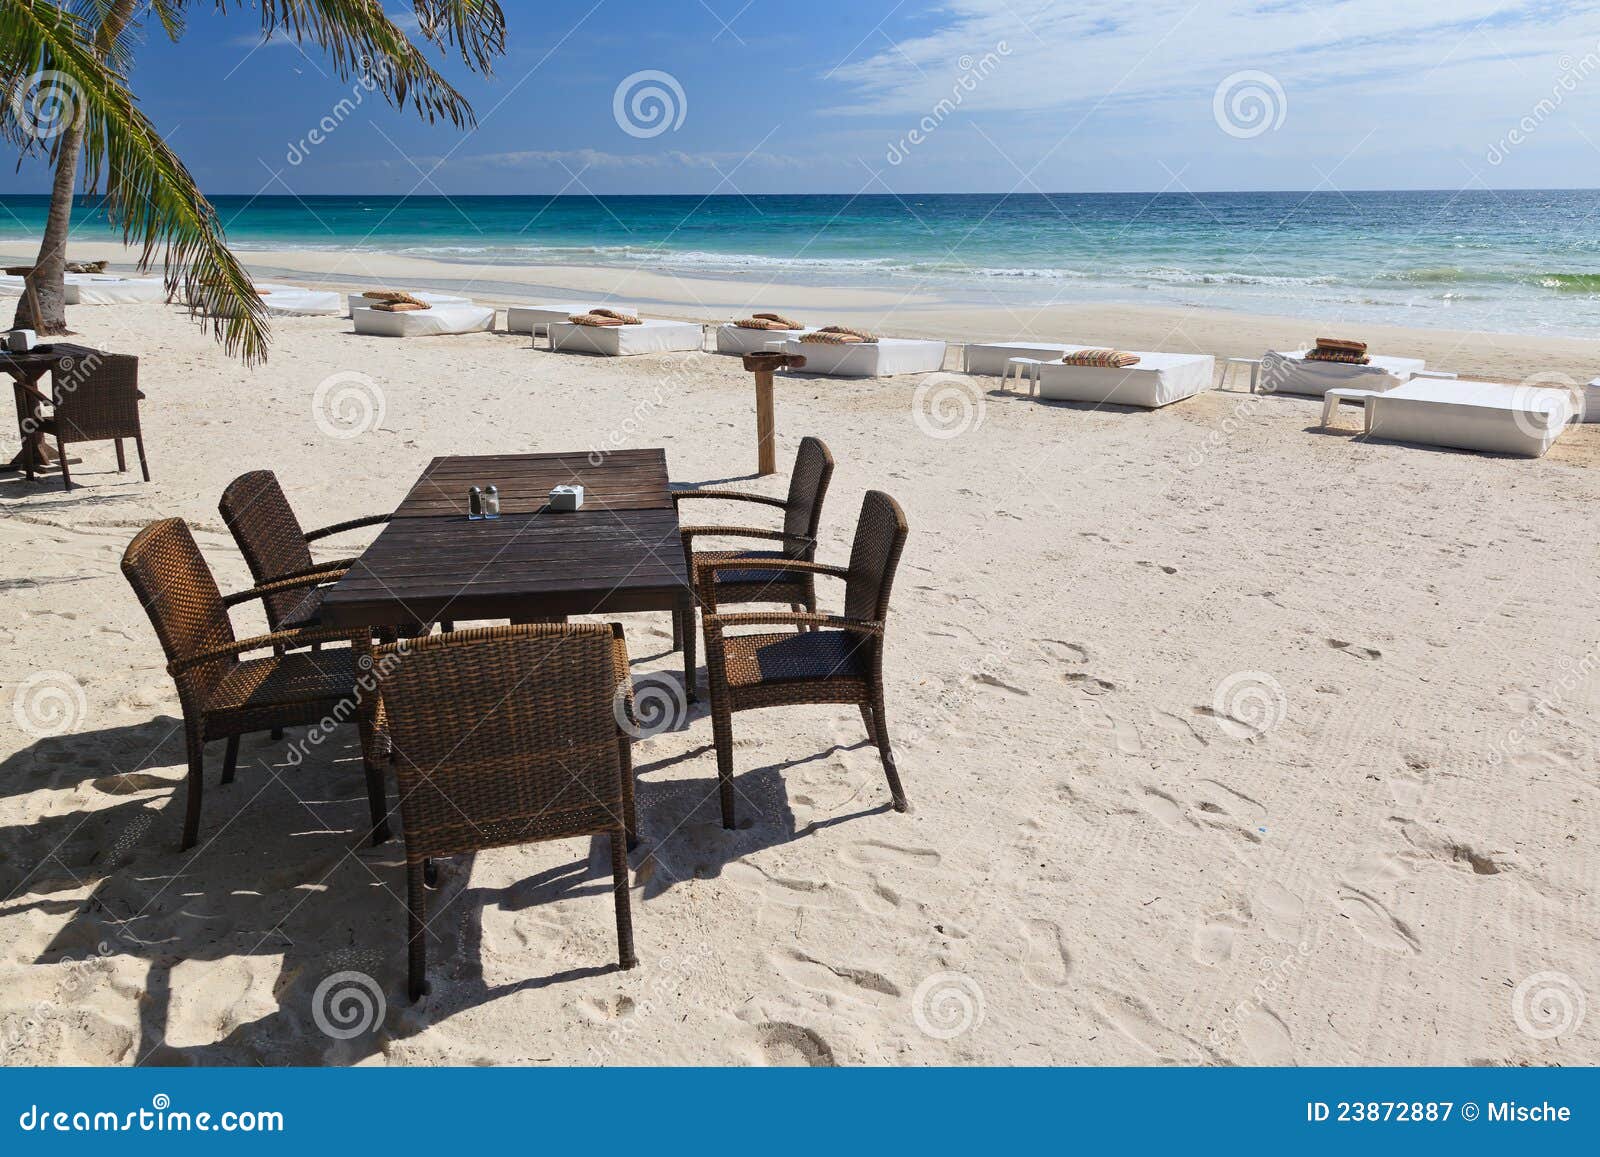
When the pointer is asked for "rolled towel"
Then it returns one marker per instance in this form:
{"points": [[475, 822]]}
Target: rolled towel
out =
{"points": [[760, 323], [831, 337], [1110, 359], [1344, 357], [1342, 344], [86, 267], [618, 315], [858, 334], [392, 295], [594, 319], [783, 322], [399, 306]]}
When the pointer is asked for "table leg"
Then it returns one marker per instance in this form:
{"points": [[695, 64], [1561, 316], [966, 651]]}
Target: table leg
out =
{"points": [[29, 415], [766, 453], [690, 662]]}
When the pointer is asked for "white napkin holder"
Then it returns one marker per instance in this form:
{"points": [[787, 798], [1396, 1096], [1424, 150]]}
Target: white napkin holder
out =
{"points": [[566, 497], [20, 341]]}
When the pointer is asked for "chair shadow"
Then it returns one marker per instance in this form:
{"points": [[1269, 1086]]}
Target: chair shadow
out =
{"points": [[701, 485], [283, 882]]}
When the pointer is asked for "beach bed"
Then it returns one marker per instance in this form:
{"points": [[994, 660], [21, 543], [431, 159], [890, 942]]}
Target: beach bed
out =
{"points": [[1157, 380], [530, 319], [98, 288], [297, 301], [990, 357], [879, 359], [736, 339], [1466, 415], [650, 336], [450, 318], [355, 301], [1291, 373]]}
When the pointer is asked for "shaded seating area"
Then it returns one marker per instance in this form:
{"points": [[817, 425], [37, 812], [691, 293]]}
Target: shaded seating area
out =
{"points": [[95, 399]]}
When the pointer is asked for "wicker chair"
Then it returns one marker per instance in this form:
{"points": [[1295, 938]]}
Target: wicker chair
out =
{"points": [[224, 696], [802, 512], [839, 661], [507, 735], [97, 401]]}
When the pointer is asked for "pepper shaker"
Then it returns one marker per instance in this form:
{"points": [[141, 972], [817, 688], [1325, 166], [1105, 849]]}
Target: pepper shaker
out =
{"points": [[474, 504], [491, 501]]}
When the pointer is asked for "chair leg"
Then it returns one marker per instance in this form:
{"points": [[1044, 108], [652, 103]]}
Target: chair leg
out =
{"points": [[416, 930], [691, 660], [880, 731], [197, 767], [377, 800], [619, 889], [144, 466], [230, 761], [122, 459], [630, 811], [866, 721], [61, 453], [722, 734], [677, 628]]}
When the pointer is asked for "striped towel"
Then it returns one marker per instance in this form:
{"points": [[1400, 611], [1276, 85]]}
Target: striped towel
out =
{"points": [[1110, 359], [1343, 357], [783, 322], [831, 337], [760, 323], [400, 306]]}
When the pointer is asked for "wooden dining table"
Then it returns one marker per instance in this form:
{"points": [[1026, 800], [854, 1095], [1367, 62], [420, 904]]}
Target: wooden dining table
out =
{"points": [[620, 552], [27, 370]]}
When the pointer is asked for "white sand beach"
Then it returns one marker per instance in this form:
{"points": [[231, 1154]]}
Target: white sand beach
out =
{"points": [[1227, 739]]}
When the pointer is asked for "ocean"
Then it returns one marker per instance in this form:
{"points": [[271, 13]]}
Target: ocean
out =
{"points": [[1514, 262]]}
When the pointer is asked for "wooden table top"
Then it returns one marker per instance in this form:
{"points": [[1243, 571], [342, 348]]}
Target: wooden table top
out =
{"points": [[620, 552], [37, 360]]}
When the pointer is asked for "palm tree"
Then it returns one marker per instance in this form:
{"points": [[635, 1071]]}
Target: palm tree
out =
{"points": [[79, 59]]}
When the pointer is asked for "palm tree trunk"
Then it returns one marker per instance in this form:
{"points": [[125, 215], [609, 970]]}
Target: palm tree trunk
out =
{"points": [[43, 304]]}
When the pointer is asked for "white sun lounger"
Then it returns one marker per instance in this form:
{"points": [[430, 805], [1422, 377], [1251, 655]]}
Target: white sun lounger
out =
{"points": [[1157, 380], [355, 301], [991, 358], [736, 339], [532, 318], [297, 301], [98, 288], [869, 359], [1465, 415], [1290, 373], [650, 336], [449, 318]]}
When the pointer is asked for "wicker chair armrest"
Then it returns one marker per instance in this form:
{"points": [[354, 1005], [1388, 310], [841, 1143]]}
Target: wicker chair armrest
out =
{"points": [[309, 579], [332, 569], [296, 638], [692, 532], [775, 564], [32, 392], [352, 524], [715, 623], [730, 496]]}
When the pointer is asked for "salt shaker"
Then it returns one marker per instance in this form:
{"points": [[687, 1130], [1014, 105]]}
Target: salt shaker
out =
{"points": [[474, 504], [491, 501]]}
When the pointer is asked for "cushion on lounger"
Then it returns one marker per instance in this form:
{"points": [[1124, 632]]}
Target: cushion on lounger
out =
{"points": [[617, 314], [783, 322], [1344, 357], [1339, 343], [593, 319], [831, 337], [1113, 359], [849, 331], [400, 306], [392, 295], [759, 323]]}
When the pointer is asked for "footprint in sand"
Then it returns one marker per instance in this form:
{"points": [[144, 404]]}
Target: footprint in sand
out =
{"points": [[1062, 651], [833, 980], [1281, 912], [605, 1009], [1377, 925], [1045, 963], [1165, 808], [1116, 733], [1355, 649], [1137, 1021], [1266, 1038], [1214, 935], [869, 853], [783, 1043]]}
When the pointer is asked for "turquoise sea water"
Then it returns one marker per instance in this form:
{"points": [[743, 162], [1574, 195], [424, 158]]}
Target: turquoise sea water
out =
{"points": [[1525, 262]]}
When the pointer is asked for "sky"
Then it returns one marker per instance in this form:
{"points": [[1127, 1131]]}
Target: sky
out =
{"points": [[864, 96]]}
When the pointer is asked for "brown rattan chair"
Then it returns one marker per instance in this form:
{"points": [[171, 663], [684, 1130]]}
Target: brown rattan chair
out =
{"points": [[802, 512], [94, 401], [256, 511], [224, 696], [507, 735], [839, 661]]}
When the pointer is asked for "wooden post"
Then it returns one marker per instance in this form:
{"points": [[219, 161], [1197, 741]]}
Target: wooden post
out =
{"points": [[766, 432]]}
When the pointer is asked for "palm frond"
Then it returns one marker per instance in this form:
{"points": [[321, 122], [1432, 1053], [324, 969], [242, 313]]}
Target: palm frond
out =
{"points": [[150, 194]]}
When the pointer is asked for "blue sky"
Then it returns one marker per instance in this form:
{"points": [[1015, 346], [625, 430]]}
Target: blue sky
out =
{"points": [[876, 96]]}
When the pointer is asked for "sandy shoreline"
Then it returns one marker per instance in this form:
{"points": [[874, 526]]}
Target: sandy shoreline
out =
{"points": [[916, 313], [1100, 862]]}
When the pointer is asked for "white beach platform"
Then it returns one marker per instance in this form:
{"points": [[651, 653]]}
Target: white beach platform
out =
{"points": [[523, 318], [1158, 380], [98, 288], [1464, 415], [1290, 373], [880, 359], [736, 339], [990, 357], [650, 336], [355, 301], [449, 318], [297, 301]]}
